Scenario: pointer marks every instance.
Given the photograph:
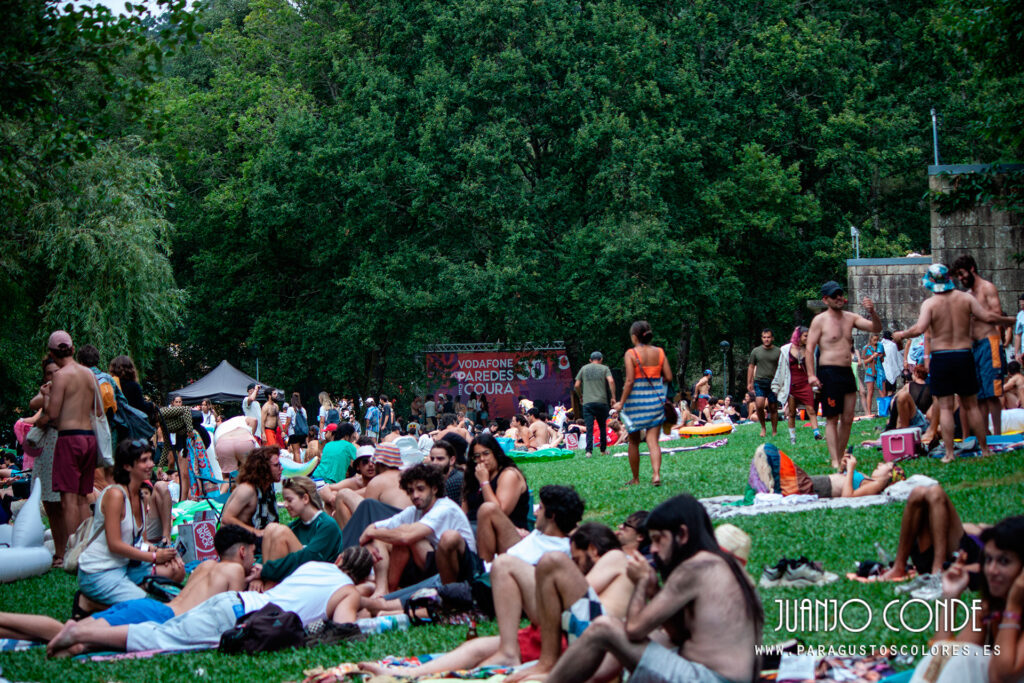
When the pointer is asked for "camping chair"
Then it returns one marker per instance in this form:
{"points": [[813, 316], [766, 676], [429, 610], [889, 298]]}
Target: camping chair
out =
{"points": [[216, 495]]}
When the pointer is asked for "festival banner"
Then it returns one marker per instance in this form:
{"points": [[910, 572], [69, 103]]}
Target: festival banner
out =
{"points": [[504, 377]]}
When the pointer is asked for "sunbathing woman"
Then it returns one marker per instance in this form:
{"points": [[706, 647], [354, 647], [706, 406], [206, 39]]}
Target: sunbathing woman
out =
{"points": [[496, 496], [849, 483], [998, 626]]}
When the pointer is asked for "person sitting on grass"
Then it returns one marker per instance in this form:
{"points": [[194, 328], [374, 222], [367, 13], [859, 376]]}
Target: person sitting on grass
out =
{"points": [[312, 537], [496, 497], [593, 579], [112, 566], [632, 534], [931, 532], [442, 454], [234, 547], [997, 627], [702, 624], [253, 503], [849, 483], [431, 536], [314, 591], [383, 492]]}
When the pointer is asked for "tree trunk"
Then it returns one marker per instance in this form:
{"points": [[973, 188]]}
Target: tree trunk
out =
{"points": [[682, 354]]}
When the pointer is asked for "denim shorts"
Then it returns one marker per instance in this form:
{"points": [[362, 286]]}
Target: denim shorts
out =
{"points": [[115, 585]]}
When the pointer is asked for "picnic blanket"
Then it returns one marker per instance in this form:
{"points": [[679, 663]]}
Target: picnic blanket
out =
{"points": [[718, 443], [15, 645], [723, 507], [350, 672]]}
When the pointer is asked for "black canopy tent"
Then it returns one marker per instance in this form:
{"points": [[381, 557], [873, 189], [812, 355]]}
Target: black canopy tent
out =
{"points": [[222, 384]]}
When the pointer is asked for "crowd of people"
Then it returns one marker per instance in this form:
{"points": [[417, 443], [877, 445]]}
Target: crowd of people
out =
{"points": [[394, 506]]}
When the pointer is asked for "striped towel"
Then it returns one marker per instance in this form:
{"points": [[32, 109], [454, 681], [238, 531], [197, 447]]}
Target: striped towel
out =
{"points": [[646, 404]]}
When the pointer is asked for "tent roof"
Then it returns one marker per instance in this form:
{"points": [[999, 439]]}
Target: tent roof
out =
{"points": [[222, 384]]}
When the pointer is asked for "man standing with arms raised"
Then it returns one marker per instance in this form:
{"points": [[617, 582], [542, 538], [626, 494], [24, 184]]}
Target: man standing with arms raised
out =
{"points": [[946, 316], [69, 403], [989, 361], [832, 330], [761, 366], [593, 381], [269, 418]]}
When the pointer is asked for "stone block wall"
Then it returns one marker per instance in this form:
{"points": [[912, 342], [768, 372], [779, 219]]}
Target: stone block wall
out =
{"points": [[992, 237], [894, 284]]}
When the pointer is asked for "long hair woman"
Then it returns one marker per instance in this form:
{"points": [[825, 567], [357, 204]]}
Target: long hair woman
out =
{"points": [[643, 398]]}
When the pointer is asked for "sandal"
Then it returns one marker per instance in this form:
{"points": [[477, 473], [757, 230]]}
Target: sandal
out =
{"points": [[656, 482], [58, 563], [77, 611]]}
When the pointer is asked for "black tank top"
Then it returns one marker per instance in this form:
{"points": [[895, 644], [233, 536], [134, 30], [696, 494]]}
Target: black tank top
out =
{"points": [[520, 513]]}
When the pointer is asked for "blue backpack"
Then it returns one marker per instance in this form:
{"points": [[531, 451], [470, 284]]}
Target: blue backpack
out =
{"points": [[301, 426], [333, 417]]}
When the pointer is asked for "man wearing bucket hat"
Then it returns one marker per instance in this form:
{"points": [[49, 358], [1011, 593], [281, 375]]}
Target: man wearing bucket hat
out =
{"points": [[832, 331], [946, 317], [382, 497]]}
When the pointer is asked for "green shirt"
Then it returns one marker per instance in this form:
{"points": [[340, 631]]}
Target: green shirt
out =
{"points": [[321, 540], [766, 360], [334, 461], [594, 377]]}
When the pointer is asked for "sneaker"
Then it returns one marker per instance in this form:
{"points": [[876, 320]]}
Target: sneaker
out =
{"points": [[328, 632], [792, 440], [588, 454], [776, 572], [803, 572], [818, 436]]}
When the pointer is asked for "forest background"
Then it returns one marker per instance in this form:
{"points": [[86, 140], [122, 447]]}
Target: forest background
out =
{"points": [[330, 187]]}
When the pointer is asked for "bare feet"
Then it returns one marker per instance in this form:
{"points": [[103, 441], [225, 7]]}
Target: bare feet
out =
{"points": [[534, 673], [894, 574], [64, 639], [985, 453], [499, 658], [656, 481], [763, 433], [378, 669], [948, 458], [632, 482]]}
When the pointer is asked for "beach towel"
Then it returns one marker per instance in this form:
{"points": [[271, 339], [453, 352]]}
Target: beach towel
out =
{"points": [[772, 471], [723, 507]]}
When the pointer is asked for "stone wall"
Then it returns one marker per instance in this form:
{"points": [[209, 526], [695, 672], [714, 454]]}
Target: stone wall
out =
{"points": [[992, 237], [894, 284]]}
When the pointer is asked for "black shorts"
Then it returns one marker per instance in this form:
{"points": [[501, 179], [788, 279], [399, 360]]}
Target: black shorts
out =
{"points": [[297, 439], [837, 382], [470, 566], [953, 372], [923, 559]]}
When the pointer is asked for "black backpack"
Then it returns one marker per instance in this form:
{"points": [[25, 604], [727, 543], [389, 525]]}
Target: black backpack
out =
{"points": [[333, 417], [264, 630], [301, 426]]}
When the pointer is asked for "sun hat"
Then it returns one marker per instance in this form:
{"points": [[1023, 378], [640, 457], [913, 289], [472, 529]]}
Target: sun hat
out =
{"points": [[364, 452], [937, 279], [389, 455], [708, 372], [733, 540], [411, 455]]}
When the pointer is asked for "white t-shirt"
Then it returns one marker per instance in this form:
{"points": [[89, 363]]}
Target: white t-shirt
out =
{"points": [[531, 548], [1018, 328], [253, 411], [305, 591], [209, 420], [444, 515], [430, 408]]}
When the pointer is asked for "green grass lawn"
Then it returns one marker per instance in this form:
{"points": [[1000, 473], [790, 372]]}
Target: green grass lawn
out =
{"points": [[984, 490]]}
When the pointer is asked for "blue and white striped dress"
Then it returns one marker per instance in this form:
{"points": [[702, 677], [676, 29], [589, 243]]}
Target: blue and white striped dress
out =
{"points": [[645, 406]]}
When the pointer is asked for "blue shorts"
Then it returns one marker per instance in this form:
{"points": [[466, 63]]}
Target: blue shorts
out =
{"points": [[988, 357], [763, 389], [136, 612]]}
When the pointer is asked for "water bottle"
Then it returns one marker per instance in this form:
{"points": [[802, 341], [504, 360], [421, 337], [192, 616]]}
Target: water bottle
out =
{"points": [[471, 632], [883, 557], [391, 622]]}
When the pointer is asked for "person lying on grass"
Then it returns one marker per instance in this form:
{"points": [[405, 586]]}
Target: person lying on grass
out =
{"points": [[314, 591], [431, 536], [313, 536], [998, 625], [703, 622], [234, 547], [930, 533], [593, 580], [849, 483]]}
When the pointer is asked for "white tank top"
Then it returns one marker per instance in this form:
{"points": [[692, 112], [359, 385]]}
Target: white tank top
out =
{"points": [[97, 557]]}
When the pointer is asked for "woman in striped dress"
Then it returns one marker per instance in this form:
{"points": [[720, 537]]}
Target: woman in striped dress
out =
{"points": [[643, 398]]}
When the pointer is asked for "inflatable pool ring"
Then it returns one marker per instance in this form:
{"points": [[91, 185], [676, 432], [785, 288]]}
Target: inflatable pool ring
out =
{"points": [[26, 555], [290, 468], [542, 455], [706, 430]]}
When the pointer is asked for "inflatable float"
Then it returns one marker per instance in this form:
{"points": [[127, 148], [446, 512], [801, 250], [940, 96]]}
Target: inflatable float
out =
{"points": [[24, 554], [712, 429], [542, 455], [290, 468]]}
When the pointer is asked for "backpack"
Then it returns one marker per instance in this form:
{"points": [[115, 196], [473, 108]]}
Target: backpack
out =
{"points": [[301, 426], [129, 421], [267, 629], [333, 417]]}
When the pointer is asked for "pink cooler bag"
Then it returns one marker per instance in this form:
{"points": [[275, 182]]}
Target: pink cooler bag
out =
{"points": [[900, 444]]}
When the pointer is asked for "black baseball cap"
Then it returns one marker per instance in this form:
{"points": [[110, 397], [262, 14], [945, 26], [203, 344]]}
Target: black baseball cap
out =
{"points": [[831, 288]]}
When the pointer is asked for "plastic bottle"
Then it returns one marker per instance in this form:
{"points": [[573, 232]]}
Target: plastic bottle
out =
{"points": [[471, 632], [391, 622], [883, 557]]}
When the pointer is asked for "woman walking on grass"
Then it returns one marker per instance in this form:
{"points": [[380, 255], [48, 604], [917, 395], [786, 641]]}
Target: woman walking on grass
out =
{"points": [[643, 398]]}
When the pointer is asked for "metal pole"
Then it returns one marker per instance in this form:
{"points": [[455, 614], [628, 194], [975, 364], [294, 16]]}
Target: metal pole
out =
{"points": [[725, 374], [935, 136], [257, 368]]}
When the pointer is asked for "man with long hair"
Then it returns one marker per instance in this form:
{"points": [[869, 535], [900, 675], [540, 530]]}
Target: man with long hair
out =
{"points": [[707, 606]]}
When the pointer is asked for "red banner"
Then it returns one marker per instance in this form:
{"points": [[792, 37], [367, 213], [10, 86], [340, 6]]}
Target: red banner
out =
{"points": [[504, 377]]}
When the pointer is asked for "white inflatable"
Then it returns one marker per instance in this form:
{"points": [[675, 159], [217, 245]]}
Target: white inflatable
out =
{"points": [[22, 553], [1013, 420], [290, 468]]}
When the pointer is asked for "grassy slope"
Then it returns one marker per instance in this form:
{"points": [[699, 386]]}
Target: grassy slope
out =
{"points": [[983, 491]]}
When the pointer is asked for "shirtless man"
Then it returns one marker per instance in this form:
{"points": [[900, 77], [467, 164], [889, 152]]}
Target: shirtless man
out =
{"points": [[253, 503], [234, 546], [988, 350], [702, 390], [365, 470], [832, 330], [596, 571], [69, 402], [449, 424], [541, 435], [520, 431], [702, 624], [385, 487], [1013, 389], [269, 418], [947, 317]]}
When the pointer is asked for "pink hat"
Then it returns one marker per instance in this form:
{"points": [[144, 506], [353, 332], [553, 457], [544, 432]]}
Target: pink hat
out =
{"points": [[59, 339], [388, 455]]}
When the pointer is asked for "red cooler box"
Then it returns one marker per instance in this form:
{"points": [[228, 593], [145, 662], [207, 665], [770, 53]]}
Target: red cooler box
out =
{"points": [[900, 444]]}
